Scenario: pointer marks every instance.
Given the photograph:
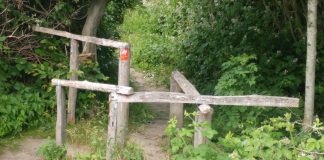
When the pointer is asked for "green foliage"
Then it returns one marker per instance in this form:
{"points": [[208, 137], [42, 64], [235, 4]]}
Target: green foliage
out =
{"points": [[153, 46], [131, 152], [277, 138], [51, 151], [140, 114], [30, 60], [210, 41], [181, 140], [239, 76]]}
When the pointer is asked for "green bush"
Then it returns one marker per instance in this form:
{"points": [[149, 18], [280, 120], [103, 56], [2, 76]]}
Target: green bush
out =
{"points": [[51, 151], [276, 138]]}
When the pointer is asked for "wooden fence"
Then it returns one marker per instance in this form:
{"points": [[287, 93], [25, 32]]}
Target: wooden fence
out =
{"points": [[181, 91], [122, 94]]}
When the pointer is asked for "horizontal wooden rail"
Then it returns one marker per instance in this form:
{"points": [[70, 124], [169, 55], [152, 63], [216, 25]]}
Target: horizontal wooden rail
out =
{"points": [[98, 41], [94, 86], [173, 97]]}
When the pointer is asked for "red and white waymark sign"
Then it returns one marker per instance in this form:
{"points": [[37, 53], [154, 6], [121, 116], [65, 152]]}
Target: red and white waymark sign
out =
{"points": [[124, 54]]}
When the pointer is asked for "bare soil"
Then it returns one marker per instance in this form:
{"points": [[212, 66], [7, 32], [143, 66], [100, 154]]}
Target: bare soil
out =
{"points": [[28, 147], [151, 137]]}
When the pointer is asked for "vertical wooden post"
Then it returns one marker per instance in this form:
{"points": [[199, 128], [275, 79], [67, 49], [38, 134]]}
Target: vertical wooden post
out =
{"points": [[112, 127], [198, 136], [61, 116], [123, 80], [176, 109], [74, 53]]}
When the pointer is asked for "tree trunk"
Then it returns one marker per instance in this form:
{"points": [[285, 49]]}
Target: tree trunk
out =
{"points": [[95, 12], [310, 64]]}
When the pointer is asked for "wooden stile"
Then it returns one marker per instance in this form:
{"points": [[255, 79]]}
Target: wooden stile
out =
{"points": [[61, 116], [74, 65]]}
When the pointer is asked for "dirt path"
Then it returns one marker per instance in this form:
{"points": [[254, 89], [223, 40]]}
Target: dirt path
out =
{"points": [[150, 138], [28, 147]]}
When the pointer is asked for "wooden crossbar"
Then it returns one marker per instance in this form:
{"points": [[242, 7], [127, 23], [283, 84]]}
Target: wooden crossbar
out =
{"points": [[173, 97], [188, 88], [204, 112], [94, 86], [89, 39]]}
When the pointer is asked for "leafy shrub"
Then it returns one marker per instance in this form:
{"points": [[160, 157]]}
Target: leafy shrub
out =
{"points": [[276, 138], [181, 140], [30, 60], [51, 151]]}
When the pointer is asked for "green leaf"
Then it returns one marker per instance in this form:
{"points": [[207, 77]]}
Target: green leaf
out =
{"points": [[2, 38]]}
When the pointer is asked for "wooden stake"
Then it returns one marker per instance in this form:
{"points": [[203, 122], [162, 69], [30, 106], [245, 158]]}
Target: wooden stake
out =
{"points": [[112, 127], [200, 118], [123, 80], [204, 111], [61, 116], [176, 109], [74, 65]]}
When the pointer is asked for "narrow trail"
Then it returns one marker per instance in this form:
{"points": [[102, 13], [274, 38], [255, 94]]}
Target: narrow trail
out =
{"points": [[27, 149], [151, 137]]}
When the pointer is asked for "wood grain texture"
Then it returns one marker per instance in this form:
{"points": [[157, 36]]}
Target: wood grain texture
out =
{"points": [[60, 117], [176, 109], [74, 65], [123, 108], [89, 39], [249, 100], [94, 86], [184, 84], [190, 89], [198, 136], [112, 127], [204, 111]]}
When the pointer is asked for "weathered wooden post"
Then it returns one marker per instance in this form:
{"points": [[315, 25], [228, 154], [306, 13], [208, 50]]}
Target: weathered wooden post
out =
{"points": [[112, 127], [61, 116], [202, 116], [74, 63], [176, 109], [123, 80], [204, 111]]}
